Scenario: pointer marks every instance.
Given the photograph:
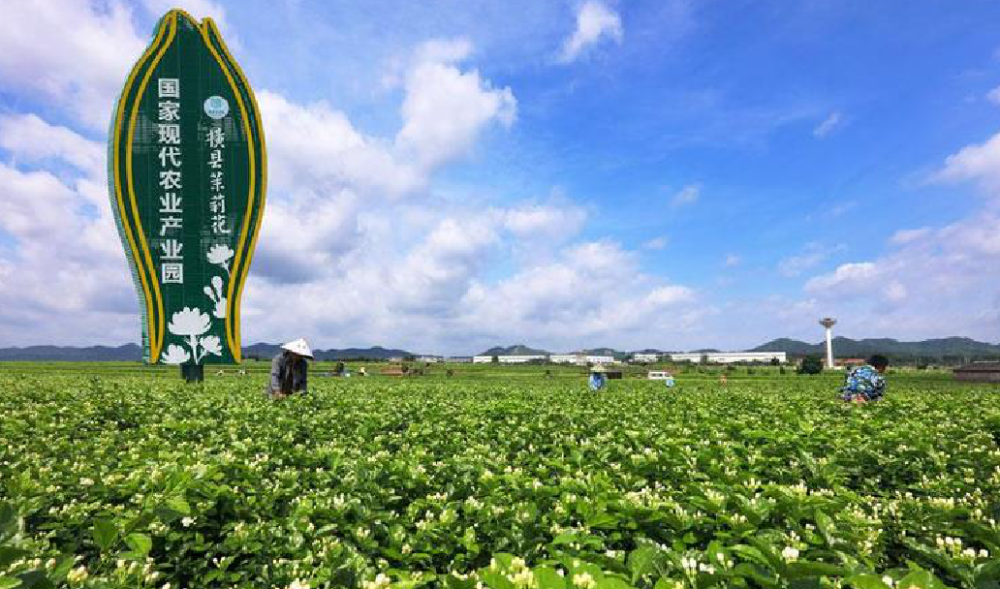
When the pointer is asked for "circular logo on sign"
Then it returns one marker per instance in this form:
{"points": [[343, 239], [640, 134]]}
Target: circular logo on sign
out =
{"points": [[216, 107]]}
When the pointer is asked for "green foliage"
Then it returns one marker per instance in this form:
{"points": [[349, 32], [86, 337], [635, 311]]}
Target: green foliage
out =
{"points": [[138, 482], [811, 365]]}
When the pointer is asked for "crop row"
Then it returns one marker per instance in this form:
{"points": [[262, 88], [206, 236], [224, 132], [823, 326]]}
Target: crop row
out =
{"points": [[128, 482]]}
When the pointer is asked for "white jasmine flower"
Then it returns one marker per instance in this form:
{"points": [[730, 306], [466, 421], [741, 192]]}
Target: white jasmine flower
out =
{"points": [[790, 553]]}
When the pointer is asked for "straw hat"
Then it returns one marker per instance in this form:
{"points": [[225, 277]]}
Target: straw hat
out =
{"points": [[299, 347], [598, 368]]}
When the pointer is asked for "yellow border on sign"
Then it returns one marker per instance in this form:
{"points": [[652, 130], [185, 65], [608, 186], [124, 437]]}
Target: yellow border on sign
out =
{"points": [[157, 344], [263, 184], [151, 327], [231, 334]]}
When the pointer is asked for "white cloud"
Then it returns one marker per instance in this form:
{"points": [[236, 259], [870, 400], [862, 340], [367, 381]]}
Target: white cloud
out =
{"points": [[812, 255], [657, 243], [905, 236], [732, 260], [361, 256], [829, 124], [436, 273], [355, 248], [554, 223], [592, 292], [936, 281], [686, 196], [314, 145], [443, 51], [840, 209], [69, 53], [670, 295], [895, 292], [445, 108], [594, 21], [76, 55], [994, 95], [297, 248], [65, 265], [199, 10], [435, 294], [847, 280], [34, 141], [979, 162]]}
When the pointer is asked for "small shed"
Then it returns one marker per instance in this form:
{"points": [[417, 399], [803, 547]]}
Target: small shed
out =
{"points": [[394, 370], [658, 375], [850, 362], [979, 372]]}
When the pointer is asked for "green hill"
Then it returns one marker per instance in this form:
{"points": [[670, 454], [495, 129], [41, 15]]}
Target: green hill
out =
{"points": [[931, 349], [515, 350]]}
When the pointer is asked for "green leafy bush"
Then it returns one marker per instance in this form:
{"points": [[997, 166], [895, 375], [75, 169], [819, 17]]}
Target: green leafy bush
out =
{"points": [[131, 482]]}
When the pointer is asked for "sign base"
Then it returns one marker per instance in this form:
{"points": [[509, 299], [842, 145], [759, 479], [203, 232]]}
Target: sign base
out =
{"points": [[193, 372]]}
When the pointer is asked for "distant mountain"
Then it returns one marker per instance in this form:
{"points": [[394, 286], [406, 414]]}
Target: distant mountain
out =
{"points": [[616, 354], [373, 353], [515, 350], [792, 347], [261, 350], [126, 353], [268, 351], [951, 347], [958, 348], [133, 353]]}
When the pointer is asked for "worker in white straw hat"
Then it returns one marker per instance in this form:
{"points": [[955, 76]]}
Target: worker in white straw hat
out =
{"points": [[289, 369]]}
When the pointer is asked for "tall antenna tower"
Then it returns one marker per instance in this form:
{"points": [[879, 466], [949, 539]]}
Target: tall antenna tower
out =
{"points": [[828, 323]]}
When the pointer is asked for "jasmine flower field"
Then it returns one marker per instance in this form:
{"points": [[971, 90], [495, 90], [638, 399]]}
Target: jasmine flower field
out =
{"points": [[132, 479]]}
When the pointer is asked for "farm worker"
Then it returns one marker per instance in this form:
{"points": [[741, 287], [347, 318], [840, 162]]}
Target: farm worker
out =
{"points": [[289, 369], [361, 371], [597, 378], [669, 380], [865, 383]]}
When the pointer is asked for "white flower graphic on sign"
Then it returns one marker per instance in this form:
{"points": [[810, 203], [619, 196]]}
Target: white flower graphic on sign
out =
{"points": [[215, 293], [191, 323], [220, 254], [211, 344], [175, 355]]}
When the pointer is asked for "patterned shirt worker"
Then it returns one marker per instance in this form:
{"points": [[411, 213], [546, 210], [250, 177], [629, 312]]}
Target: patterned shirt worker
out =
{"points": [[865, 383], [597, 378], [289, 370]]}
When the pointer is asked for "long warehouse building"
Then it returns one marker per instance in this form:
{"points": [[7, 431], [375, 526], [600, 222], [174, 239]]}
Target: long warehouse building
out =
{"points": [[730, 357]]}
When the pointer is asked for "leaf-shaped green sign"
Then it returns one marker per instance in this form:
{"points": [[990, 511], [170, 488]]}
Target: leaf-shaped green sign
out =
{"points": [[187, 177]]}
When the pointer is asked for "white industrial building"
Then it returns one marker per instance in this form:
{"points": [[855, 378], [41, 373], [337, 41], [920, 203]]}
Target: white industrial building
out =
{"points": [[730, 357], [578, 359], [581, 359], [508, 359], [648, 358]]}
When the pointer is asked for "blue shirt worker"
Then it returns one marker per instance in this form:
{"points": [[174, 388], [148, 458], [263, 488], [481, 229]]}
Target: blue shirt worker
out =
{"points": [[597, 378], [669, 381], [289, 370], [865, 383]]}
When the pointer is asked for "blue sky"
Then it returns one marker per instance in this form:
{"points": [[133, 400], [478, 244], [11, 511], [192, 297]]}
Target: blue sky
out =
{"points": [[671, 174]]}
